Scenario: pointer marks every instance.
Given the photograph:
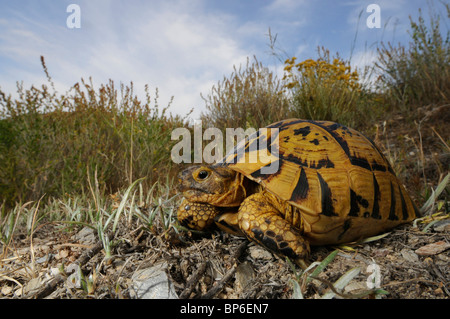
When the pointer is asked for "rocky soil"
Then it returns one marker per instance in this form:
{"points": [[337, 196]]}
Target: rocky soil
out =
{"points": [[412, 261]]}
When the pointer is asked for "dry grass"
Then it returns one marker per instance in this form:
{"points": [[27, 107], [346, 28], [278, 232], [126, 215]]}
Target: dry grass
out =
{"points": [[52, 144], [251, 97], [418, 75]]}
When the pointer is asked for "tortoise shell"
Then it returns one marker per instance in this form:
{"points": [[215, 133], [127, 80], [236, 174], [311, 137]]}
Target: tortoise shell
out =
{"points": [[340, 186]]}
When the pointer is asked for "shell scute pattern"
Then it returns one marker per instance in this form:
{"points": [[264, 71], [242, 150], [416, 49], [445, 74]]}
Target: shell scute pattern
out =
{"points": [[328, 171], [330, 185]]}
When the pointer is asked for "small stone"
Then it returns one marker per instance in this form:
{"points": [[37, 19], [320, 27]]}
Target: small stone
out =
{"points": [[153, 283], [6, 290], [62, 254], [439, 291], [54, 271], [44, 259], [85, 236], [257, 252], [244, 274], [382, 252], [409, 255], [442, 226], [32, 285]]}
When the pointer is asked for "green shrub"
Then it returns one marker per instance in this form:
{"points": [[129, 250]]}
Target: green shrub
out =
{"points": [[326, 89], [250, 97], [50, 144], [420, 74]]}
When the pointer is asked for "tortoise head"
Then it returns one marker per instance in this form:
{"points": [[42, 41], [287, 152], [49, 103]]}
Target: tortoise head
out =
{"points": [[216, 185], [212, 194]]}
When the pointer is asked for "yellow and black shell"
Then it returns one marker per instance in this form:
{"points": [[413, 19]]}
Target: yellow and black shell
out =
{"points": [[333, 176]]}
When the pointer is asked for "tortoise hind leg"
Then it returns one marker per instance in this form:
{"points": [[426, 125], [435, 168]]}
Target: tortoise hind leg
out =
{"points": [[261, 222]]}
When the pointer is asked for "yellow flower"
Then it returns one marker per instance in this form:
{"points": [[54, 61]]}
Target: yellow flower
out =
{"points": [[290, 85], [290, 61], [288, 67]]}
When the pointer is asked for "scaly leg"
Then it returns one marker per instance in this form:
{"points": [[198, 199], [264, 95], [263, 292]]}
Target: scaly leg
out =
{"points": [[198, 216], [261, 222]]}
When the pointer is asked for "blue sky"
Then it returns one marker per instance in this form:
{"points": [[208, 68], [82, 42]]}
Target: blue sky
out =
{"points": [[183, 47]]}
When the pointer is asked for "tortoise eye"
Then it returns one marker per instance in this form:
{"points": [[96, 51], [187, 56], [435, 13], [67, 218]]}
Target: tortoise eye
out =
{"points": [[202, 175]]}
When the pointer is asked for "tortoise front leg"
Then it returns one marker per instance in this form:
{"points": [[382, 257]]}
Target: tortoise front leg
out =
{"points": [[261, 222], [198, 216]]}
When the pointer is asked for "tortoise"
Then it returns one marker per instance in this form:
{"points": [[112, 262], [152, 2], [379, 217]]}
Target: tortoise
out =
{"points": [[333, 185]]}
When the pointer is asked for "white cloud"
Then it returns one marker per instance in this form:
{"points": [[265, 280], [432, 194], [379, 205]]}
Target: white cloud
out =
{"points": [[181, 47], [364, 58], [393, 16], [364, 62], [177, 47], [285, 5]]}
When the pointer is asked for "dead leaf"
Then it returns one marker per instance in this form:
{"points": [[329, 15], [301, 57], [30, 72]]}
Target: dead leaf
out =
{"points": [[32, 285], [62, 254], [432, 249], [6, 290]]}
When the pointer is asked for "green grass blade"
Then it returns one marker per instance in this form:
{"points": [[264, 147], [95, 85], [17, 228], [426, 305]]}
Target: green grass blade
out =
{"points": [[342, 282], [322, 265], [373, 238], [297, 292], [123, 202], [434, 195]]}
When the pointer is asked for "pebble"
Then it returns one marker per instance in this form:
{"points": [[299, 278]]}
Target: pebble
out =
{"points": [[244, 274], [85, 236], [32, 285], [153, 283], [257, 252], [409, 255], [442, 226], [54, 271], [6, 290], [45, 259], [382, 252]]}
